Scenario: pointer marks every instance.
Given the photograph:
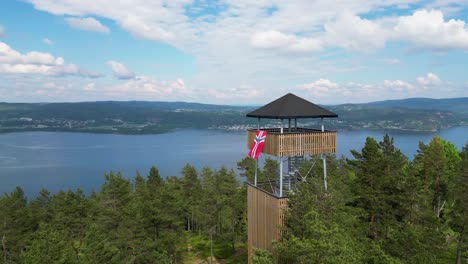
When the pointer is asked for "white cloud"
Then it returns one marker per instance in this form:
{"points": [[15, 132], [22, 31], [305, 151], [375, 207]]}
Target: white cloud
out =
{"points": [[398, 85], [327, 91], [48, 41], [298, 25], [56, 87], [276, 40], [147, 88], [242, 92], [428, 29], [429, 80], [90, 87], [354, 33], [451, 7], [139, 88], [120, 71], [391, 61], [325, 88], [13, 62], [11, 56], [140, 28], [236, 43], [87, 24], [45, 88]]}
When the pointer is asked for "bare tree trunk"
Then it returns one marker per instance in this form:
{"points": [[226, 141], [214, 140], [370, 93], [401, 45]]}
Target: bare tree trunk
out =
{"points": [[156, 232], [411, 214], [459, 247], [191, 221], [219, 224], [439, 208], [387, 232], [4, 249], [77, 249], [372, 230]]}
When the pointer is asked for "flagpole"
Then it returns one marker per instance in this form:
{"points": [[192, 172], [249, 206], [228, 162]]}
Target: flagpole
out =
{"points": [[256, 160], [324, 158], [281, 166], [256, 169]]}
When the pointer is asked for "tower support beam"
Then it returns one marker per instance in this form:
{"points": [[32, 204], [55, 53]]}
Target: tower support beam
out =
{"points": [[281, 167], [281, 177], [256, 161], [324, 157]]}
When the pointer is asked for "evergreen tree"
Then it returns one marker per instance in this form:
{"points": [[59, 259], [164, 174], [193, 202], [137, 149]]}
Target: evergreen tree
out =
{"points": [[319, 227], [154, 179], [246, 166], [368, 182], [191, 193], [41, 208], [106, 238], [271, 169], [50, 245], [15, 225], [433, 168], [459, 216]]}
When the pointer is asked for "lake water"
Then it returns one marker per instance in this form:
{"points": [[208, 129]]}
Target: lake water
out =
{"points": [[76, 160]]}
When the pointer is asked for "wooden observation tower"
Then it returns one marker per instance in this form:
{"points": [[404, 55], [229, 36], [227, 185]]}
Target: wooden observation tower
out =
{"points": [[267, 200]]}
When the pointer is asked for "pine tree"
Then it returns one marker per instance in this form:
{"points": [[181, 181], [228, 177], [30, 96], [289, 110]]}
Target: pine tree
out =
{"points": [[246, 166], [15, 225], [191, 192], [319, 227], [459, 221], [436, 166], [107, 238], [368, 182], [50, 245]]}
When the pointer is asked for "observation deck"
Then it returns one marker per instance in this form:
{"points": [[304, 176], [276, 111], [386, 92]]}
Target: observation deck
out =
{"points": [[295, 141]]}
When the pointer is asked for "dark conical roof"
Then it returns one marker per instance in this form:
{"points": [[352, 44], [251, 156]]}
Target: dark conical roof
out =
{"points": [[291, 106]]}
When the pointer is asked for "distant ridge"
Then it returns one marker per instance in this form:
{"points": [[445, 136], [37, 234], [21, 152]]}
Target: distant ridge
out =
{"points": [[457, 105], [145, 117]]}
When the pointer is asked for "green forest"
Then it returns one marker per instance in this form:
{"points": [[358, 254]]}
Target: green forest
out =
{"points": [[381, 207]]}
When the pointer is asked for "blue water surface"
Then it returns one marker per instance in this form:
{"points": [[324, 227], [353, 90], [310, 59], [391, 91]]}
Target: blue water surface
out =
{"points": [[36, 160]]}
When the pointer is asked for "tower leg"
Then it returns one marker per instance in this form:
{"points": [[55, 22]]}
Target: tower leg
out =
{"points": [[256, 161], [324, 157], [256, 170], [281, 177]]}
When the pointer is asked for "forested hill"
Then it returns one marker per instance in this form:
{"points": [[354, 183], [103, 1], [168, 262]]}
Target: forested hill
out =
{"points": [[380, 207], [141, 117], [455, 105], [406, 114], [115, 117]]}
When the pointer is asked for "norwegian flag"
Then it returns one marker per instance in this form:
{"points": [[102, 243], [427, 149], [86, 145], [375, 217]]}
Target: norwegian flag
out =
{"points": [[257, 144]]}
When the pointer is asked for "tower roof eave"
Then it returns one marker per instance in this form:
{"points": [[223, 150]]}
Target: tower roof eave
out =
{"points": [[291, 106]]}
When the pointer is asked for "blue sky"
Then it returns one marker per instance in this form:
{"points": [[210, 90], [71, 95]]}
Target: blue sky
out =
{"points": [[232, 51]]}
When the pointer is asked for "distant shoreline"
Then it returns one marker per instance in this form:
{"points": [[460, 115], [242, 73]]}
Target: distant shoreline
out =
{"points": [[135, 133]]}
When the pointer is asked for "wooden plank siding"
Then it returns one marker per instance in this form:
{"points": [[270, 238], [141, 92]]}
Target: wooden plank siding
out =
{"points": [[265, 217], [303, 142]]}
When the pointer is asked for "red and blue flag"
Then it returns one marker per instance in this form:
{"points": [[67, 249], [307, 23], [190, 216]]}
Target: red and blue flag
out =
{"points": [[257, 144]]}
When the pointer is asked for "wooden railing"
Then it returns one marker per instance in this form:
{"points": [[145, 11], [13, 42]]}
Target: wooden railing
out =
{"points": [[295, 142]]}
